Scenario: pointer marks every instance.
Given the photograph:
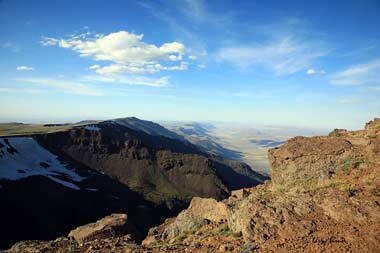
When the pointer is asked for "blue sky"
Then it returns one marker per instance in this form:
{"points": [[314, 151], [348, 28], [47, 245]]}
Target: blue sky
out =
{"points": [[295, 63]]}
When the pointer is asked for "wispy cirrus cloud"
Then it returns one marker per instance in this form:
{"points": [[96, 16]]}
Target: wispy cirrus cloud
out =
{"points": [[126, 52], [19, 90], [194, 12], [374, 88], [148, 69], [11, 46], [21, 68], [130, 80], [70, 87], [283, 56], [347, 101], [365, 73]]}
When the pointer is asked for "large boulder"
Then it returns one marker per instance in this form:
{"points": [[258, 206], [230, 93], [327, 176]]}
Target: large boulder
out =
{"points": [[302, 160], [200, 212], [110, 226]]}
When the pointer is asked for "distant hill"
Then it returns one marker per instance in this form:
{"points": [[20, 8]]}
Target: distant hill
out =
{"points": [[146, 126]]}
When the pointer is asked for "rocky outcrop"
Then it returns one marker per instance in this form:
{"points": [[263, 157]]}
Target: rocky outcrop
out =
{"points": [[304, 162], [324, 196], [301, 159], [114, 225]]}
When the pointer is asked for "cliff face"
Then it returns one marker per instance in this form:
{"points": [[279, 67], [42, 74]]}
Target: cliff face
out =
{"points": [[160, 168]]}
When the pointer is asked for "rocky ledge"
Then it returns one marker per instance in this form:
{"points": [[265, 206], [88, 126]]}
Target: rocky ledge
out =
{"points": [[324, 197]]}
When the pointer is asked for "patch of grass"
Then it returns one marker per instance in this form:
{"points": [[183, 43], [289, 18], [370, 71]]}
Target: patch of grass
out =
{"points": [[195, 244], [223, 230], [306, 186], [344, 186], [247, 248], [179, 239], [367, 182], [315, 185], [375, 192], [14, 129], [351, 190], [278, 188], [351, 163]]}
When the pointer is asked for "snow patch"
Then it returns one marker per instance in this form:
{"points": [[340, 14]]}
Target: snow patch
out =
{"points": [[92, 189], [64, 183], [92, 128], [28, 158]]}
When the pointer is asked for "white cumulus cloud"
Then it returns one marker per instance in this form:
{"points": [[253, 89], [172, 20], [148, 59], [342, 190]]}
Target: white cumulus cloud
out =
{"points": [[314, 72], [96, 66], [126, 51]]}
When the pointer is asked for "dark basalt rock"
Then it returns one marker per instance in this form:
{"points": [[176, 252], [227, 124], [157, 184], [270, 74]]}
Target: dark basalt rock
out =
{"points": [[160, 168]]}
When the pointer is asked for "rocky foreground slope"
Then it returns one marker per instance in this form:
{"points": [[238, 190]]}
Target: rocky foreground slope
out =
{"points": [[324, 197]]}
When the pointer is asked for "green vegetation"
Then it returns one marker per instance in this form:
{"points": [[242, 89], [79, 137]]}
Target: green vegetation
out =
{"points": [[179, 239], [313, 185], [375, 192], [343, 186], [351, 163], [196, 237], [247, 248], [221, 230], [14, 129]]}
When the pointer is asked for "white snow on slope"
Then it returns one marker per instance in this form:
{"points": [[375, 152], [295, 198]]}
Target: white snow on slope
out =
{"points": [[92, 128], [92, 189], [27, 162]]}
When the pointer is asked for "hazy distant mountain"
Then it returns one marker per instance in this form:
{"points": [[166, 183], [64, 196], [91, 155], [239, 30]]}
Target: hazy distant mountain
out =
{"points": [[267, 143], [199, 134], [244, 143]]}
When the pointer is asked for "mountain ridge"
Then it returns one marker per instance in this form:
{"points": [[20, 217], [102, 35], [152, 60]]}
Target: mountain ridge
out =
{"points": [[159, 172]]}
